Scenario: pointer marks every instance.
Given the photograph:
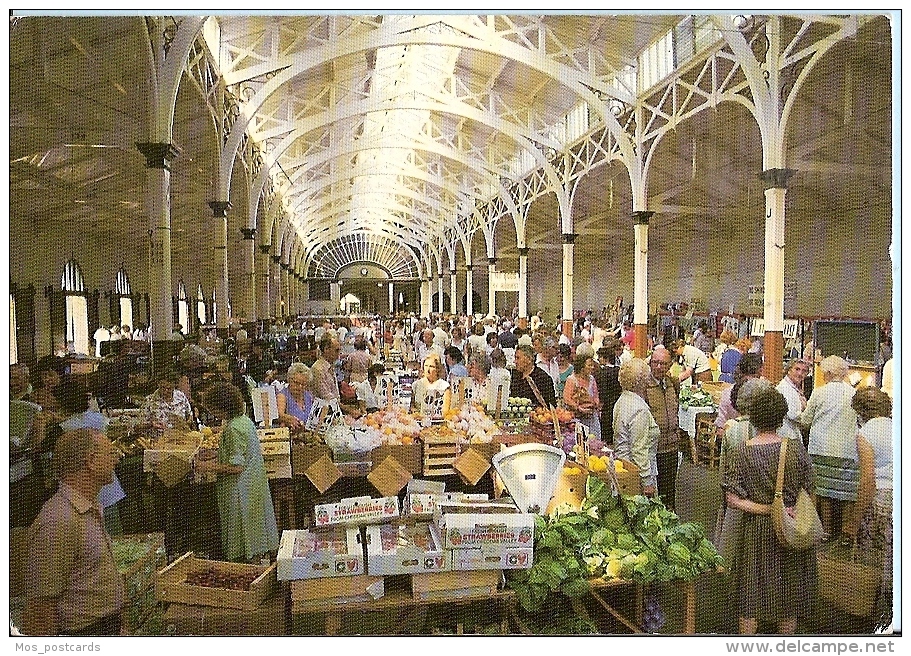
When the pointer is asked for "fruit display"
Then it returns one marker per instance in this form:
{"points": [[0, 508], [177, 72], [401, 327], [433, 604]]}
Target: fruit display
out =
{"points": [[392, 426], [212, 577], [396, 537], [207, 438], [543, 416], [473, 423], [517, 407], [308, 542]]}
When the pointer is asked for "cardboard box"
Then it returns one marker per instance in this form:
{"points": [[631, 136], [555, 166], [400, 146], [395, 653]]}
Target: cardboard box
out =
{"points": [[184, 450], [469, 531], [171, 584], [323, 553], [405, 549], [338, 590], [356, 510], [173, 469], [496, 558], [304, 455], [186, 620], [471, 465], [409, 456], [425, 505], [452, 585], [389, 477], [322, 473], [628, 480]]}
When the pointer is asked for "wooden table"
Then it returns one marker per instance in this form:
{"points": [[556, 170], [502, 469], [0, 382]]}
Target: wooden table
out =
{"points": [[686, 588], [402, 601]]}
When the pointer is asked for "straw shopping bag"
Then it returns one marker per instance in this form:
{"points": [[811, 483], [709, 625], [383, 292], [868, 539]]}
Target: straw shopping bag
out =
{"points": [[844, 582], [802, 529]]}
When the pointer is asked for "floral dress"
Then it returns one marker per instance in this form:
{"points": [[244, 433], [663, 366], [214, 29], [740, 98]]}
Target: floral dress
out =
{"points": [[248, 527]]}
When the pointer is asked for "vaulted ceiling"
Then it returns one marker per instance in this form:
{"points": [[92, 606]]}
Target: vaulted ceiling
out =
{"points": [[382, 138]]}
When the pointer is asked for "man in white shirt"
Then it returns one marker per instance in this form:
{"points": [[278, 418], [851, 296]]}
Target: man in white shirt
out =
{"points": [[100, 335], [441, 335], [791, 387], [425, 346], [546, 359]]}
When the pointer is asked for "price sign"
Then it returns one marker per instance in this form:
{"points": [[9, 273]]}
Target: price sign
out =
{"points": [[323, 415], [433, 404], [387, 388], [462, 390]]}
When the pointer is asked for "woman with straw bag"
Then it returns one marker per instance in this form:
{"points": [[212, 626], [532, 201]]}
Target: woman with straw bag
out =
{"points": [[872, 528], [773, 582]]}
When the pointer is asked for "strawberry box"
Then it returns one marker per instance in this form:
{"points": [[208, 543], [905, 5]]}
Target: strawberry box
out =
{"points": [[404, 548], [322, 553], [488, 530], [496, 557], [356, 511], [422, 504]]}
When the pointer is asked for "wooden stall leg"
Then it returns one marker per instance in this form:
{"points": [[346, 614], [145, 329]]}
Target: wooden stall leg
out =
{"points": [[333, 623], [689, 607], [639, 610]]}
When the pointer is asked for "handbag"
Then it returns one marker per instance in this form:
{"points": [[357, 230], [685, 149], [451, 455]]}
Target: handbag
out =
{"points": [[845, 583], [802, 529]]}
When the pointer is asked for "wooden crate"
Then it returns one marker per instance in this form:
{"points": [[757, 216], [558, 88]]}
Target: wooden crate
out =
{"points": [[338, 589], [409, 456], [273, 434], [706, 441], [439, 455], [277, 466], [186, 620], [171, 585], [447, 585]]}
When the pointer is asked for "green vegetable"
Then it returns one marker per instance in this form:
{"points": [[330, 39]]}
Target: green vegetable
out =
{"points": [[633, 537]]}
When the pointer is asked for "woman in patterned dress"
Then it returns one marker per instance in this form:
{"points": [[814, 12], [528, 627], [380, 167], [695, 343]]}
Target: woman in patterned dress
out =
{"points": [[773, 583]]}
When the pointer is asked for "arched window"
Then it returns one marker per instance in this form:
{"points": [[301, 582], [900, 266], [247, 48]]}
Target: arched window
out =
{"points": [[13, 346], [123, 291], [77, 314], [200, 304], [183, 308]]}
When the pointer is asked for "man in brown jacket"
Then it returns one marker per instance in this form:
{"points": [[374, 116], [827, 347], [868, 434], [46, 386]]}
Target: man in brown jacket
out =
{"points": [[662, 396]]}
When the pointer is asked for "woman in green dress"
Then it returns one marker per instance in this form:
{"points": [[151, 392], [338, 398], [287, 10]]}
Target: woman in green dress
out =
{"points": [[248, 528]]}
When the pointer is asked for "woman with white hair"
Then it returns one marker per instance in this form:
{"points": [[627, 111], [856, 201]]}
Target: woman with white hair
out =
{"points": [[294, 401], [635, 430], [832, 446]]}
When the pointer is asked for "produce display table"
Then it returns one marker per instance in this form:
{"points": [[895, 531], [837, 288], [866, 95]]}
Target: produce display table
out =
{"points": [[401, 600], [686, 588]]}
